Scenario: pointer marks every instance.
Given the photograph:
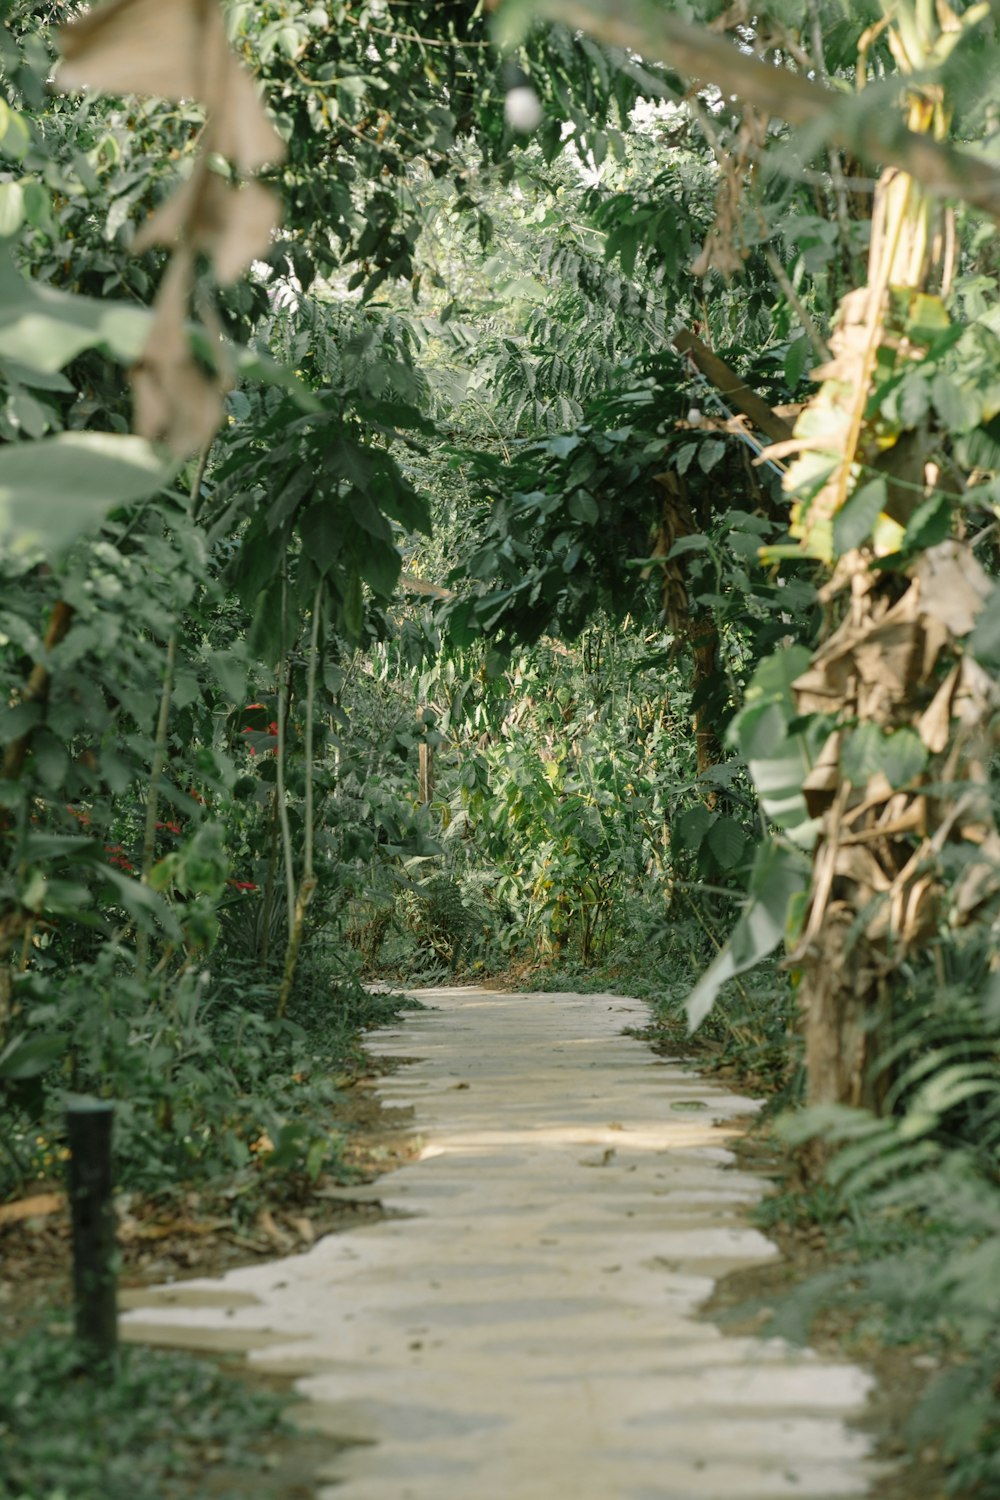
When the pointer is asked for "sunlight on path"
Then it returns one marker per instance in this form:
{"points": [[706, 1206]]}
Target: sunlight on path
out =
{"points": [[529, 1334]]}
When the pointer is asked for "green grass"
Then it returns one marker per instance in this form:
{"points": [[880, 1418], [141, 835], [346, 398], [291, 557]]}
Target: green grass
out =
{"points": [[154, 1432]]}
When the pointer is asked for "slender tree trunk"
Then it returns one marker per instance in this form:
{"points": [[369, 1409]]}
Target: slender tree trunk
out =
{"points": [[153, 793], [264, 937], [307, 884]]}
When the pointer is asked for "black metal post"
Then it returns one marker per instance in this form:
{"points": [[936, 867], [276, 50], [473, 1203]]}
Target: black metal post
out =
{"points": [[88, 1123]]}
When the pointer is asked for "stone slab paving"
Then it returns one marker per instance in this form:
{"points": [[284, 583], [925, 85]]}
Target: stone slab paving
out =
{"points": [[528, 1331]]}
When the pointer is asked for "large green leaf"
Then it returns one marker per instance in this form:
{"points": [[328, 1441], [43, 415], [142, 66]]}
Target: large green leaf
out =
{"points": [[54, 489], [779, 874], [380, 566], [779, 757], [30, 1056], [853, 523], [39, 847], [984, 641], [11, 208], [779, 762], [692, 826], [42, 329], [45, 328], [773, 677], [230, 669], [727, 841], [868, 751], [144, 905]]}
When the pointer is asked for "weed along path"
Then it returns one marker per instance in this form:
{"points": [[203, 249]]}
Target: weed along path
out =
{"points": [[527, 1330]]}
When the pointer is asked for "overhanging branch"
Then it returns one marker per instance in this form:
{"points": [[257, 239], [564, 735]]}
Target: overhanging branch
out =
{"points": [[706, 57]]}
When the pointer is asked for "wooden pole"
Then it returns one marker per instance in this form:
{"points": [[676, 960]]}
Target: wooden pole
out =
{"points": [[88, 1124]]}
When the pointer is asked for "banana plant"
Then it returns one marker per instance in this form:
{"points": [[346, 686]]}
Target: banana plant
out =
{"points": [[901, 703]]}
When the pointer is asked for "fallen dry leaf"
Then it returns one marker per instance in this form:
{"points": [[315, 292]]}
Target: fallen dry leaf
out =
{"points": [[304, 1229], [37, 1207], [163, 1229], [277, 1235]]}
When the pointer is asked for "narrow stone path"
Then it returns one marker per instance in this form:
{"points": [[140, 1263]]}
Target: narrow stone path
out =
{"points": [[530, 1332]]}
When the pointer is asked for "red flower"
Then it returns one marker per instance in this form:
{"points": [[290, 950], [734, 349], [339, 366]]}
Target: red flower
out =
{"points": [[242, 885], [116, 856]]}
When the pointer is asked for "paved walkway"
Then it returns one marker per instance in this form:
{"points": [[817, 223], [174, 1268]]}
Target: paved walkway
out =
{"points": [[530, 1333]]}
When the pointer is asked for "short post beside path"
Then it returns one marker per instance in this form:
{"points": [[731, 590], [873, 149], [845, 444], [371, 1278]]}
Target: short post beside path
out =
{"points": [[89, 1130]]}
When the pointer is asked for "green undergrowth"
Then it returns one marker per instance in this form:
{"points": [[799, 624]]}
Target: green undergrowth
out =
{"points": [[913, 1268], [213, 1090], [168, 1426], [908, 1204]]}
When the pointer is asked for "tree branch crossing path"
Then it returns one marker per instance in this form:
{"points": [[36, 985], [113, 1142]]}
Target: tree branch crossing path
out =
{"points": [[525, 1328]]}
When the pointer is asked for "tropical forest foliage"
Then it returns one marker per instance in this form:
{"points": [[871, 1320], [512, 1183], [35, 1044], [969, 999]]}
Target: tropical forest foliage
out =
{"points": [[488, 491]]}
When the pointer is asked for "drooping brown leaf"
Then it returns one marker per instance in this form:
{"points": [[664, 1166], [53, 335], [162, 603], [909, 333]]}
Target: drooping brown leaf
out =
{"points": [[979, 881], [240, 128], [824, 687], [858, 865], [231, 225], [252, 215], [139, 47], [175, 50], [820, 785], [179, 51], [888, 660], [175, 401], [934, 724], [953, 585]]}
